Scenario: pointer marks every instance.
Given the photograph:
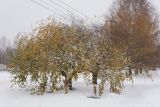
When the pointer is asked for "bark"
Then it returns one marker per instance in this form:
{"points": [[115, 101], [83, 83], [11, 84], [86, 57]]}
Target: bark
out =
{"points": [[130, 71], [140, 70], [70, 83], [94, 78], [136, 71]]}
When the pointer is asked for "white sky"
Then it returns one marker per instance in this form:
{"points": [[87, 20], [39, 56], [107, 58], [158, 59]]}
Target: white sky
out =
{"points": [[22, 15]]}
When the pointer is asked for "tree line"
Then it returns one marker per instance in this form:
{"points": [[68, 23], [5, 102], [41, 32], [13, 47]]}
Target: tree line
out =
{"points": [[6, 50], [55, 53]]}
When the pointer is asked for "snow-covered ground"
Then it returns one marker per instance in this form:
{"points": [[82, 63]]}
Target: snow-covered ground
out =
{"points": [[144, 93], [3, 67]]}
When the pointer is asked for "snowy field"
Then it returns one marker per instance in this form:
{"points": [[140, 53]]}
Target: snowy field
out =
{"points": [[144, 93]]}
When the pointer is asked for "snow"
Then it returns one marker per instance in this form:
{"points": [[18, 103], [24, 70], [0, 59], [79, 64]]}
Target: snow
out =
{"points": [[143, 93], [3, 67]]}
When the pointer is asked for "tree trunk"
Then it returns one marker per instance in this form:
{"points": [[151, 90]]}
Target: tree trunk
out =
{"points": [[130, 71], [94, 78], [94, 81], [70, 83], [136, 71], [140, 70]]}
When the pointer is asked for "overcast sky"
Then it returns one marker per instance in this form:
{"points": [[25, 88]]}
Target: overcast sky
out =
{"points": [[22, 15]]}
